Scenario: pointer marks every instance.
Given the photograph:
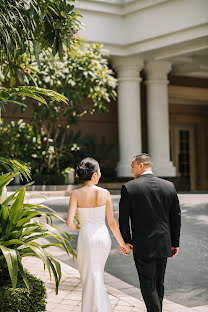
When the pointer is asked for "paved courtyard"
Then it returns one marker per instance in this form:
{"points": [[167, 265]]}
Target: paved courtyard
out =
{"points": [[187, 274], [186, 277], [69, 296]]}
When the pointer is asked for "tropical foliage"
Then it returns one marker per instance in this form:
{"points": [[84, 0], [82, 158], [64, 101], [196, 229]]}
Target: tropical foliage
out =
{"points": [[35, 25], [85, 76], [6, 96], [86, 80], [29, 27], [23, 141], [13, 165], [36, 93], [21, 224]]}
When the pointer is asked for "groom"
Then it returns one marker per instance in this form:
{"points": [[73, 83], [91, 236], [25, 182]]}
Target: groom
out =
{"points": [[151, 205]]}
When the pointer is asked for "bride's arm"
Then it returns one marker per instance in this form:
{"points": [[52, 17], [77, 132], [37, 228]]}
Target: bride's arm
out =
{"points": [[71, 212], [113, 224]]}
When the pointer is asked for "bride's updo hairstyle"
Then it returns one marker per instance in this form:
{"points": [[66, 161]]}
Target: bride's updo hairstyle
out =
{"points": [[86, 168]]}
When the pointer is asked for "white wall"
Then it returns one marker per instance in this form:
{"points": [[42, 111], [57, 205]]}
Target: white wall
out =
{"points": [[144, 26]]}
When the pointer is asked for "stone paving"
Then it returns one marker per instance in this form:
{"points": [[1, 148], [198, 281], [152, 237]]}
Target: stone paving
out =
{"points": [[186, 280], [69, 296], [123, 296]]}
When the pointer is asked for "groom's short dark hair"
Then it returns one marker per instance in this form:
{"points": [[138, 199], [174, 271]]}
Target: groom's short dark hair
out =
{"points": [[144, 158]]}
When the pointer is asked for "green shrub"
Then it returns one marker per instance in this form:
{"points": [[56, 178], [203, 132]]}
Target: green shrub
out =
{"points": [[20, 299], [21, 224], [49, 179]]}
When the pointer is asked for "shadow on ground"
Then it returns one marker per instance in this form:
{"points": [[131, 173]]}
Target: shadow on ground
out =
{"points": [[186, 280]]}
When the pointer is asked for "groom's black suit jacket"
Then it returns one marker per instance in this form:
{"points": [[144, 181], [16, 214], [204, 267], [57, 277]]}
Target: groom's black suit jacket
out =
{"points": [[151, 206]]}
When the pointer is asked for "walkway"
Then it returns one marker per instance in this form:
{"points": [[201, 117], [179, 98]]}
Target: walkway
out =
{"points": [[69, 297], [123, 296]]}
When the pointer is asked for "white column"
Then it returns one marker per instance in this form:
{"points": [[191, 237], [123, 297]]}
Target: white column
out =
{"points": [[158, 118], [129, 116]]}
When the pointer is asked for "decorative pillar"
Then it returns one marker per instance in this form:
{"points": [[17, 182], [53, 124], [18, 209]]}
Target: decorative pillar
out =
{"points": [[158, 118], [129, 115]]}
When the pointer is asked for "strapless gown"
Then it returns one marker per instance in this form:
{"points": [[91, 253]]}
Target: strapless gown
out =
{"points": [[93, 248]]}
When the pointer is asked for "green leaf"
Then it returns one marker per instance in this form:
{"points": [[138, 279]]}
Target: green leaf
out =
{"points": [[17, 207], [32, 92], [22, 271], [27, 219], [38, 252], [11, 242], [5, 181], [10, 256], [4, 217], [14, 165], [56, 271], [10, 198]]}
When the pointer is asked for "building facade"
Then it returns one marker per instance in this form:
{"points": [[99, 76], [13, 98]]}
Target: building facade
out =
{"points": [[159, 50]]}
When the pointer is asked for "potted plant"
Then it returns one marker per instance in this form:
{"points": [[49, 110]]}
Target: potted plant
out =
{"points": [[69, 173]]}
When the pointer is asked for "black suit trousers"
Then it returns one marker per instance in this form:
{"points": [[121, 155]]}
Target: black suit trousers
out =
{"points": [[151, 276]]}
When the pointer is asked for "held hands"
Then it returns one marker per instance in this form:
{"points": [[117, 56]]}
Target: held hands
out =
{"points": [[126, 249], [174, 251]]}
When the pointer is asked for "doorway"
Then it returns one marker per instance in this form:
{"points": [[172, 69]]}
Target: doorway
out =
{"points": [[183, 153]]}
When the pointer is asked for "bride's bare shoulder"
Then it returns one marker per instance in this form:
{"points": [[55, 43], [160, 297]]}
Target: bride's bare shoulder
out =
{"points": [[76, 192], [103, 190]]}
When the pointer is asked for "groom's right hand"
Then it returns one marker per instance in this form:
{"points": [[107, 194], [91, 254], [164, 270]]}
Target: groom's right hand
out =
{"points": [[174, 251], [125, 250]]}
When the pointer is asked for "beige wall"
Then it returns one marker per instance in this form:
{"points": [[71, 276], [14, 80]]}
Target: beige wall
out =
{"points": [[97, 125], [188, 105]]}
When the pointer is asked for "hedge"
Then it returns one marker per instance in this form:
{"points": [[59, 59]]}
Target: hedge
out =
{"points": [[20, 299]]}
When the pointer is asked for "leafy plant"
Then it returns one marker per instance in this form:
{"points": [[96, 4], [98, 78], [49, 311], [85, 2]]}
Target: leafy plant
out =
{"points": [[23, 141], [49, 179], [33, 26], [13, 165], [79, 147], [86, 81], [27, 28], [20, 226], [86, 76], [22, 299], [7, 95]]}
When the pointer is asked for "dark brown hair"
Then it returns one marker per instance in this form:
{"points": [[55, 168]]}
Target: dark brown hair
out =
{"points": [[86, 168]]}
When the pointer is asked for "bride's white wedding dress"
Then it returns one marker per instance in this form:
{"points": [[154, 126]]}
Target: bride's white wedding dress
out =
{"points": [[93, 248]]}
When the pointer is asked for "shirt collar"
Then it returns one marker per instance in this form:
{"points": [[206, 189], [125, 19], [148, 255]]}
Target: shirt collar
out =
{"points": [[147, 172]]}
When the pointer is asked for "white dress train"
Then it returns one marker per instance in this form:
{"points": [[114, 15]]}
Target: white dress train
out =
{"points": [[93, 248]]}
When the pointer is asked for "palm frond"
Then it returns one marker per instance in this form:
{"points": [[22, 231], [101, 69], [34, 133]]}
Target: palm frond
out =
{"points": [[31, 92], [13, 165], [10, 256]]}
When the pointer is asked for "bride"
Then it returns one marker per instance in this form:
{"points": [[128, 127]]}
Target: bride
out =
{"points": [[92, 203]]}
